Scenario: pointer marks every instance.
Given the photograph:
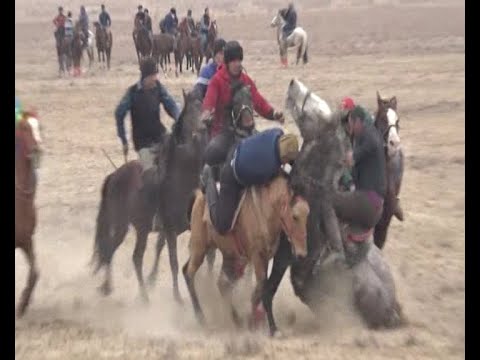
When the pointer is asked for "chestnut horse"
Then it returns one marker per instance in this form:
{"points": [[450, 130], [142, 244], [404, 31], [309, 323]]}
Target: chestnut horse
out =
{"points": [[27, 150], [264, 213]]}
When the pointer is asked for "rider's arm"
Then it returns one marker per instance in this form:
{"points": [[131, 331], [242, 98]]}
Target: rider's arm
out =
{"points": [[169, 104], [109, 21], [211, 97], [120, 112], [261, 106]]}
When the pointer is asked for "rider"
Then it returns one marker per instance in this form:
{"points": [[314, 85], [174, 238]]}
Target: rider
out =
{"points": [[190, 22], [83, 21], [139, 16], [218, 98], [143, 99], [148, 24], [204, 28], [363, 207], [210, 70], [170, 24], [290, 16], [59, 23], [104, 18], [69, 26], [255, 161]]}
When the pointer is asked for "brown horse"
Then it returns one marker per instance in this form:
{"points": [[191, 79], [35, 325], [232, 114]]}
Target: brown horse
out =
{"points": [[64, 51], [143, 44], [211, 37], [162, 47], [387, 122], [104, 41], [264, 213], [194, 53], [183, 42], [27, 150], [78, 45], [124, 202]]}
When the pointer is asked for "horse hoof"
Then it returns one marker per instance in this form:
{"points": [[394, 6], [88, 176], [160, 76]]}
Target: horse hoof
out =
{"points": [[152, 280], [278, 335], [105, 289]]}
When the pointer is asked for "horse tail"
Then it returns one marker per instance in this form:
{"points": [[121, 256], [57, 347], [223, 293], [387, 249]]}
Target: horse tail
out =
{"points": [[102, 235]]}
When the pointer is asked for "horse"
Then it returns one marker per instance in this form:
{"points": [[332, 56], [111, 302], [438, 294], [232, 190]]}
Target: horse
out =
{"points": [[194, 57], [183, 42], [27, 152], [211, 37], [264, 212], [123, 202], [64, 51], [78, 45], [143, 44], [104, 41], [163, 45], [387, 122], [298, 38]]}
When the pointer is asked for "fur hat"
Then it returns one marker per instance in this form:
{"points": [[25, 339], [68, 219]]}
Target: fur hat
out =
{"points": [[288, 147], [232, 51]]}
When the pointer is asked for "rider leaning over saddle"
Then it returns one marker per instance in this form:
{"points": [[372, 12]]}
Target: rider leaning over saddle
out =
{"points": [[290, 16], [143, 100], [256, 160], [208, 71], [363, 207], [217, 104]]}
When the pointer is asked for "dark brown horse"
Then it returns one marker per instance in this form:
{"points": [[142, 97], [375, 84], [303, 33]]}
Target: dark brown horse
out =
{"points": [[183, 42], [211, 37], [387, 122], [63, 46], [27, 150], [78, 45], [104, 41], [143, 44], [194, 53], [162, 47], [124, 202]]}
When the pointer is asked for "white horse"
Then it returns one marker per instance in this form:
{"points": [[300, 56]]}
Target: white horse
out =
{"points": [[298, 38], [90, 47]]}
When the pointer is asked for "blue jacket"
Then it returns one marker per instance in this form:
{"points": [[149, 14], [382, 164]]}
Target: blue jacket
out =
{"points": [[256, 160], [170, 23], [147, 127], [206, 74], [291, 21], [104, 19]]}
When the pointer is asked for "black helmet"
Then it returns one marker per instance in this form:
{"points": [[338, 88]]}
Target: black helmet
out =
{"points": [[173, 11], [218, 46], [232, 51], [102, 6], [60, 8], [189, 12], [148, 67]]}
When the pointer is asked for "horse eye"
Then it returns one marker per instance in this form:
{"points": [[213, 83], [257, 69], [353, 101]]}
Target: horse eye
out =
{"points": [[295, 217]]}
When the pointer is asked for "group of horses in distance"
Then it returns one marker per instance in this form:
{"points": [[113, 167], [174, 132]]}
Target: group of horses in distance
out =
{"points": [[70, 50], [184, 45]]}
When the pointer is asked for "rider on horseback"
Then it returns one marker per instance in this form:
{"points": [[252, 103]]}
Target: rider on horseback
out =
{"points": [[69, 26], [190, 23], [59, 23], [218, 100], [210, 70], [255, 161], [104, 18], [362, 208], [170, 24], [290, 16], [143, 100], [205, 24], [83, 21], [148, 24]]}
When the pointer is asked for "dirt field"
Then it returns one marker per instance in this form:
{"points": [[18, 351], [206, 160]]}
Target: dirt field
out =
{"points": [[414, 50]]}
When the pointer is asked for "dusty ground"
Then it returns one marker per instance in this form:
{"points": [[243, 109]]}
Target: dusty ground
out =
{"points": [[416, 52]]}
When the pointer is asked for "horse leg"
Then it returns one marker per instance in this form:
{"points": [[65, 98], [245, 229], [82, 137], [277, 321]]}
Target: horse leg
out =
{"points": [[32, 279], [116, 240], [211, 259], [197, 254], [226, 282], [172, 252], [258, 312], [281, 261], [152, 278], [109, 54], [140, 245], [381, 229]]}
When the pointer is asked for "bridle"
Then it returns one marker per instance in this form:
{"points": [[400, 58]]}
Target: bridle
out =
{"points": [[387, 130]]}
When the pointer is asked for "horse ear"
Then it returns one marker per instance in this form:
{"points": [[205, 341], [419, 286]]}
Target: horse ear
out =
{"points": [[393, 103]]}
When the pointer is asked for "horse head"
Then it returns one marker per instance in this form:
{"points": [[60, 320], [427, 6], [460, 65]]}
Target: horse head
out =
{"points": [[387, 122], [188, 126], [310, 112], [277, 20], [242, 107], [28, 138], [293, 216]]}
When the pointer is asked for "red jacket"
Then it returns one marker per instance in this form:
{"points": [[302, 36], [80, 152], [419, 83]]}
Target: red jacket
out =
{"points": [[59, 21], [219, 96]]}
